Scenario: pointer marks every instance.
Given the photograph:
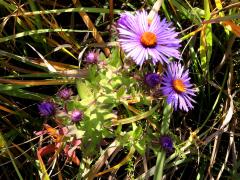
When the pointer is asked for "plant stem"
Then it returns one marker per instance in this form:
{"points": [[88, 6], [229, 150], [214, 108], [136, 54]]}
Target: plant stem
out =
{"points": [[161, 156]]}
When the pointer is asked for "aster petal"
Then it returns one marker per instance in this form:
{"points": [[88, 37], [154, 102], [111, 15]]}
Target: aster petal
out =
{"points": [[186, 98], [140, 57], [167, 51], [183, 103], [142, 21], [127, 34], [170, 100], [138, 54], [175, 100], [155, 24], [127, 20], [189, 98]]}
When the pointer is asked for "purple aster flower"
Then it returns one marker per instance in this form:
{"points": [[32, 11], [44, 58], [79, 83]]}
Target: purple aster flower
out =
{"points": [[92, 57], [76, 115], [152, 79], [177, 87], [166, 143], [65, 93], [46, 108], [142, 38]]}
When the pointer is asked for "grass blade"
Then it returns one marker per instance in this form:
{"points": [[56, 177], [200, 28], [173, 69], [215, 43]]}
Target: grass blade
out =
{"points": [[206, 40]]}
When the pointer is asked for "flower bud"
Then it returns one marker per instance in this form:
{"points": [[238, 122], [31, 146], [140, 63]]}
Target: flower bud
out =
{"points": [[46, 108], [65, 93], [76, 115], [92, 57], [152, 79], [166, 143]]}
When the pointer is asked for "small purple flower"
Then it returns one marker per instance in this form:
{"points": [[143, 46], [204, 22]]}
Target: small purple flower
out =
{"points": [[92, 57], [46, 108], [177, 88], [65, 93], [166, 143], [76, 115], [141, 38], [152, 79]]}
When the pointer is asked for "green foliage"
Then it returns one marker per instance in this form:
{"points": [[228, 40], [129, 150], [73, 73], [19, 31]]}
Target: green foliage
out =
{"points": [[102, 91]]}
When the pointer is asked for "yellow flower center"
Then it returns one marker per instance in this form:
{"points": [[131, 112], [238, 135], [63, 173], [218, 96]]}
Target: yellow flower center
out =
{"points": [[178, 85], [148, 39]]}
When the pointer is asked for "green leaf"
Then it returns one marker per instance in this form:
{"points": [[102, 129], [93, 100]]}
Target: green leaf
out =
{"points": [[20, 93], [115, 59], [10, 87], [206, 40], [39, 31], [140, 147], [84, 89], [137, 133], [186, 11], [4, 145], [68, 10], [200, 12], [116, 82], [92, 74], [134, 118], [121, 91]]}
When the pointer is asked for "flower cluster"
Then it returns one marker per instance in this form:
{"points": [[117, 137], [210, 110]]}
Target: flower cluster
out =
{"points": [[175, 85], [144, 38], [49, 108], [62, 140]]}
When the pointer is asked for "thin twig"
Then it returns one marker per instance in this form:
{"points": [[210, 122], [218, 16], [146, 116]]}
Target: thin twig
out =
{"points": [[229, 113], [229, 107], [226, 158], [100, 162], [225, 8]]}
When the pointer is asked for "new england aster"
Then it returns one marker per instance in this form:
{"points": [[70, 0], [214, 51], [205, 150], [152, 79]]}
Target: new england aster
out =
{"points": [[176, 86], [143, 38]]}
